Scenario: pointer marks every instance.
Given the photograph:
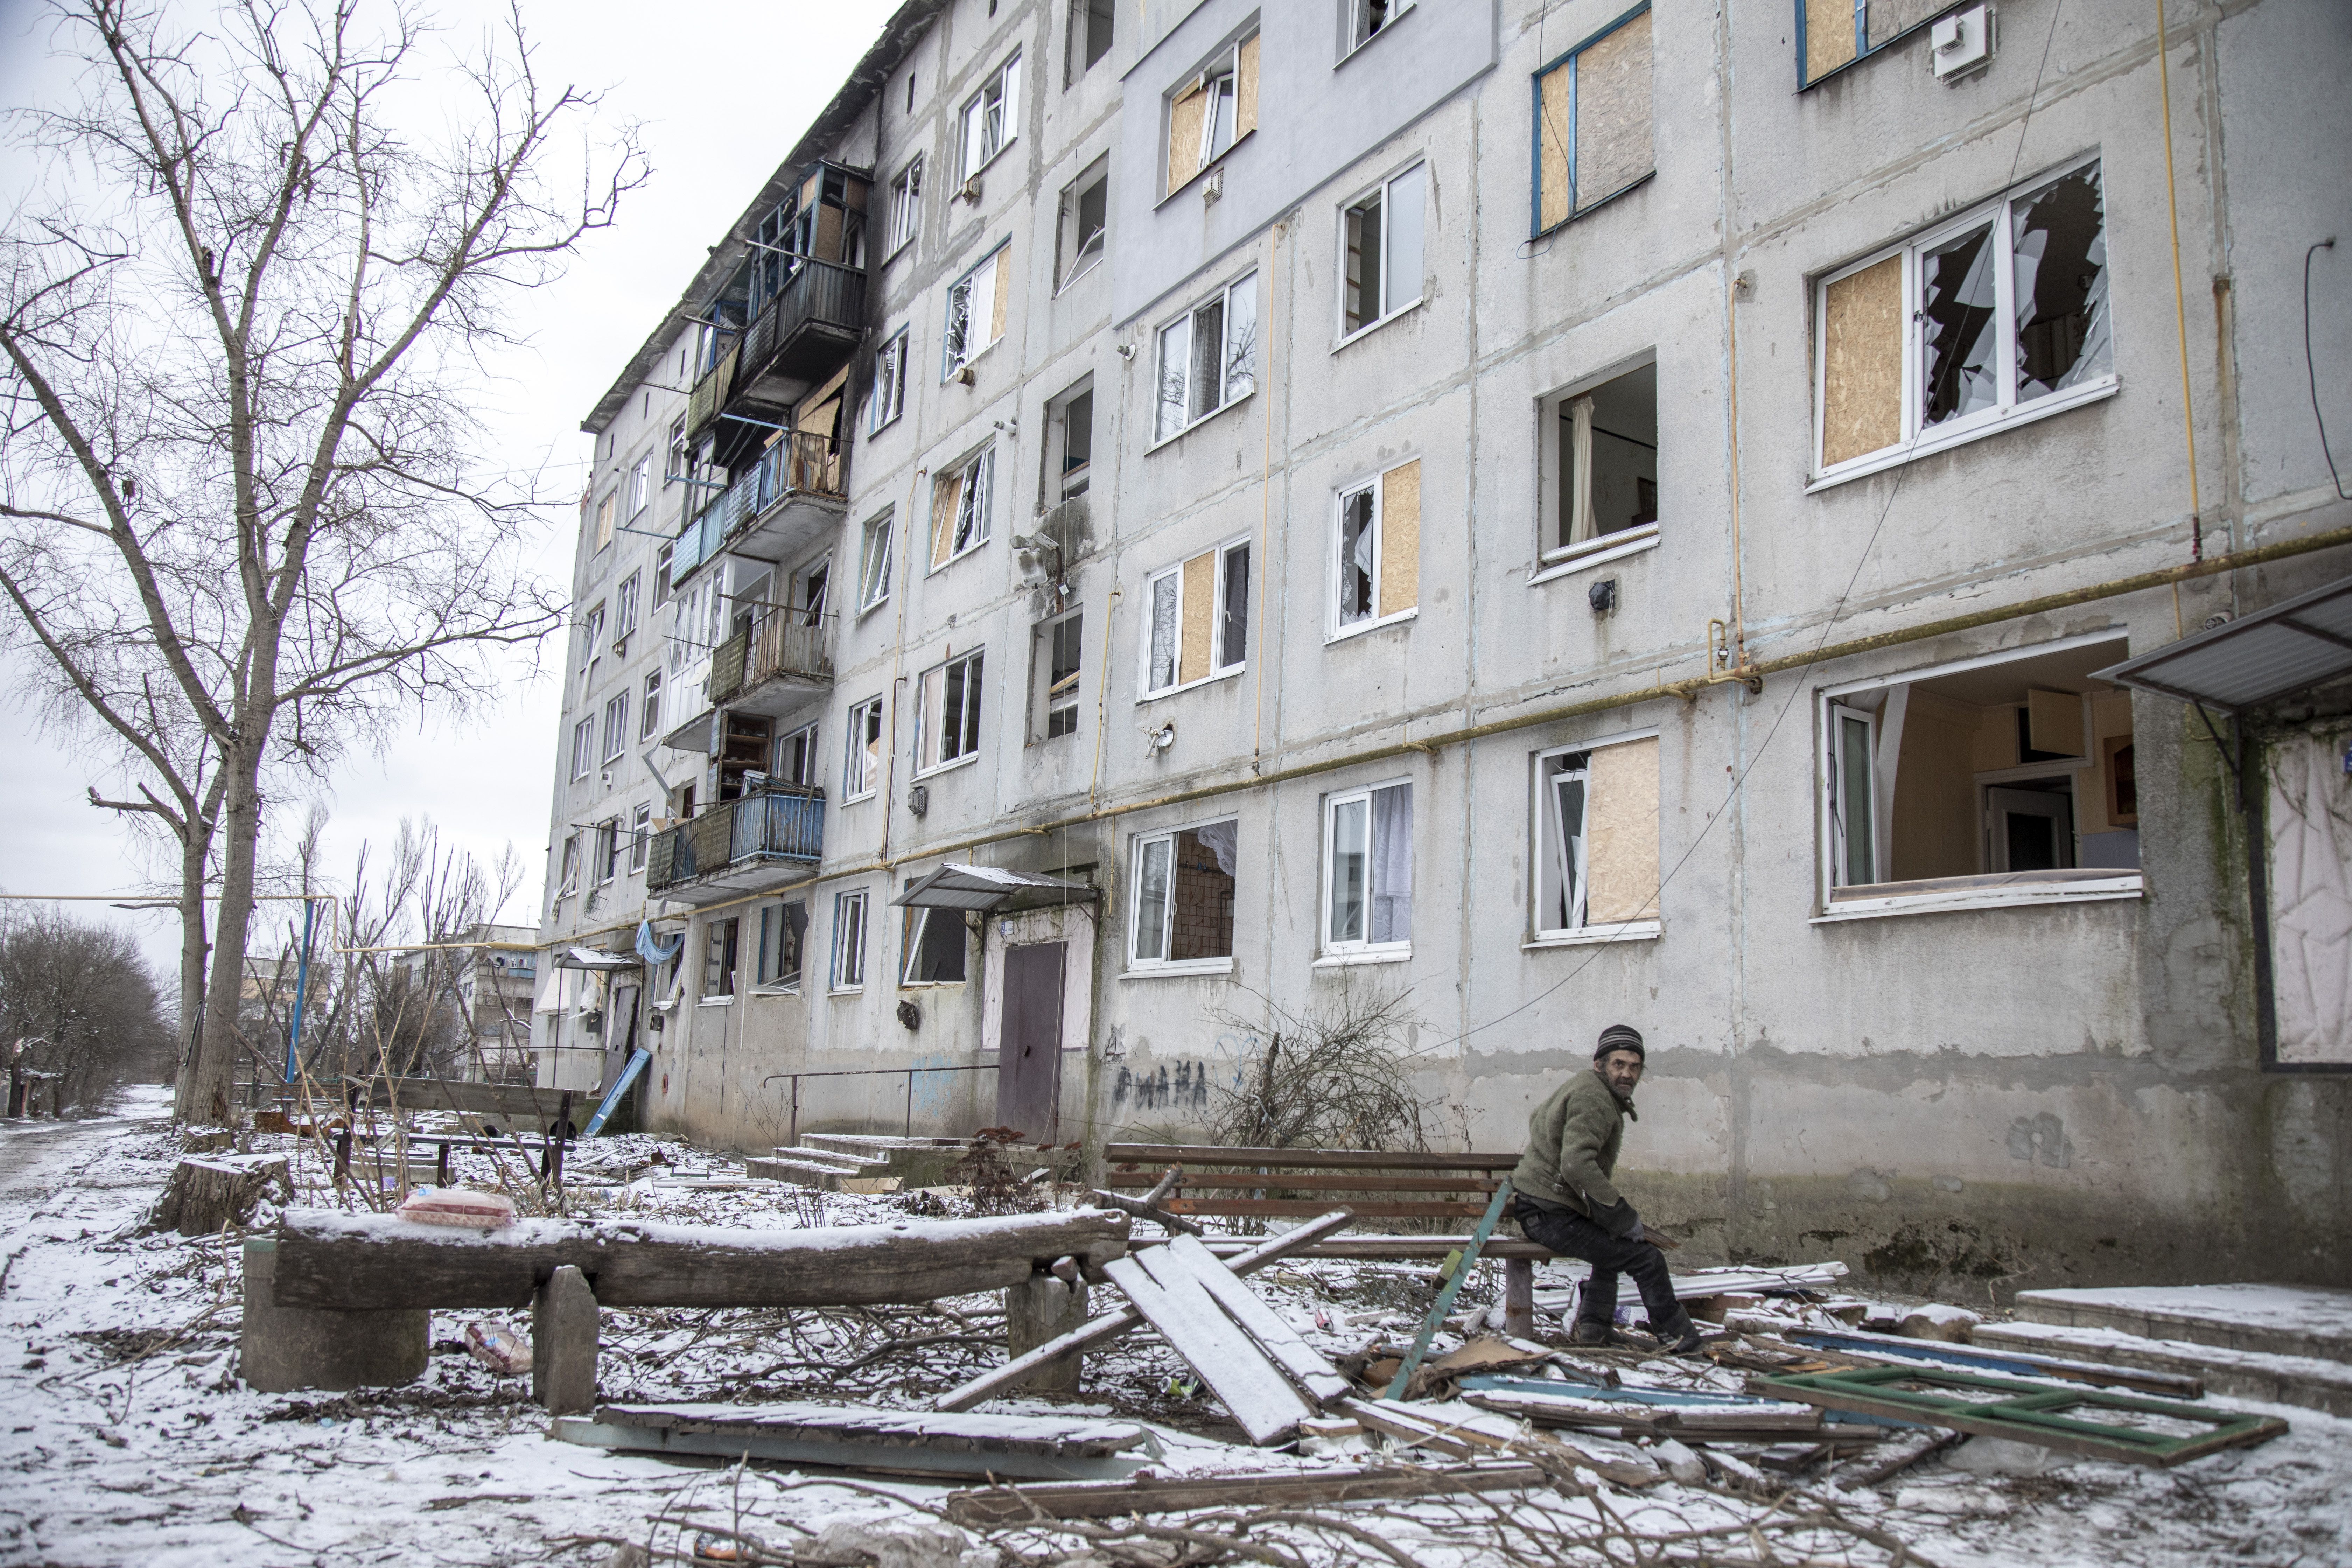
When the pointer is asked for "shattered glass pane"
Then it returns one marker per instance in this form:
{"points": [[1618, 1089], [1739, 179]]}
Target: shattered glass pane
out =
{"points": [[1356, 542], [1957, 304], [2061, 285]]}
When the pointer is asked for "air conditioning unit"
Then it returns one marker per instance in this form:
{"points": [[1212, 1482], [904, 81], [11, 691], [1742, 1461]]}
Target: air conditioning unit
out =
{"points": [[1960, 45]]}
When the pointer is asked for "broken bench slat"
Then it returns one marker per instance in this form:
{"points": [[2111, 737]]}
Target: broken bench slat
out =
{"points": [[1418, 1427], [1102, 1330], [1196, 1328], [1305, 1363], [1200, 1156], [902, 1441], [2029, 1411], [1143, 1494], [345, 1262], [1083, 1435]]}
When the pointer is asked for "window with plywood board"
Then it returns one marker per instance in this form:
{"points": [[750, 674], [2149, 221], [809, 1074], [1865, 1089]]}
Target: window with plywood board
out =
{"points": [[1594, 139], [1376, 551], [1213, 109], [1833, 34], [1597, 869], [1197, 619], [1987, 777]]}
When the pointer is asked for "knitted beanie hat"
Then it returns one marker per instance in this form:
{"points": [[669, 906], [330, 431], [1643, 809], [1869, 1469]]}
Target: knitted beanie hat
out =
{"points": [[1620, 1037]]}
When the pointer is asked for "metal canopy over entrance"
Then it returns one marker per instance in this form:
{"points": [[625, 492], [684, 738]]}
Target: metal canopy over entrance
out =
{"points": [[2255, 658], [990, 888]]}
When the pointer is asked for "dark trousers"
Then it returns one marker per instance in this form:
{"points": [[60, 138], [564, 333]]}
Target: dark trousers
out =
{"points": [[1573, 1236]]}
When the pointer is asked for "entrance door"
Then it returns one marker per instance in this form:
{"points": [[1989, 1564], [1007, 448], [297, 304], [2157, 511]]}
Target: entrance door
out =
{"points": [[2033, 829], [1029, 1044]]}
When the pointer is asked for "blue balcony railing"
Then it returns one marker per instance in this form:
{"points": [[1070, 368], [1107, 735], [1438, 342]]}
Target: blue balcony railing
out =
{"points": [[783, 824]]}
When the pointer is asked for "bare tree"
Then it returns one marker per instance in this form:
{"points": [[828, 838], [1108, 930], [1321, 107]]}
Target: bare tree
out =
{"points": [[1333, 1075], [79, 1006], [248, 518]]}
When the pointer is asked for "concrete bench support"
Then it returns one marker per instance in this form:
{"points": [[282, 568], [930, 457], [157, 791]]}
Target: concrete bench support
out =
{"points": [[287, 1348], [563, 1343], [1046, 1308]]}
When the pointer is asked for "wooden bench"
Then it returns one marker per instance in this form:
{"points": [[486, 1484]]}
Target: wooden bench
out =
{"points": [[1218, 1183], [548, 1110]]}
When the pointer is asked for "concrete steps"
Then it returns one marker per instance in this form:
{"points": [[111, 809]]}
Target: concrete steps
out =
{"points": [[2312, 1382], [2283, 1344]]}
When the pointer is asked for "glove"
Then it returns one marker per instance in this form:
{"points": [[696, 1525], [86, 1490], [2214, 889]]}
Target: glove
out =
{"points": [[1622, 1222], [1634, 1233]]}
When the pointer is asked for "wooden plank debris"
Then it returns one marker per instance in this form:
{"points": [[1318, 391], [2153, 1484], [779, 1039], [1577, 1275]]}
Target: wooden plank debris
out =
{"points": [[1893, 1348], [909, 1442], [1236, 1370], [1102, 1330], [1305, 1363], [1151, 1494], [1417, 1426], [336, 1261], [2143, 1431]]}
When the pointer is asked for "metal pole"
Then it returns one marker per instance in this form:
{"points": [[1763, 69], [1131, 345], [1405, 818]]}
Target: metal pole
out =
{"points": [[911, 1102], [301, 991], [793, 1138]]}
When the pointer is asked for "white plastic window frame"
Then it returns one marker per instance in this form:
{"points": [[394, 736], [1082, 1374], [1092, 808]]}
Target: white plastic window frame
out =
{"points": [[876, 556], [1188, 321], [912, 931], [1554, 560], [568, 874], [1004, 82], [931, 755], [906, 206], [862, 766], [957, 350], [1362, 949], [641, 836], [974, 505], [584, 747], [1352, 15], [1334, 628], [641, 485], [889, 399], [1084, 258], [1390, 310], [776, 919], [1139, 845], [849, 959], [1917, 440], [2124, 884], [1543, 816], [649, 709], [604, 852], [616, 727], [1225, 550]]}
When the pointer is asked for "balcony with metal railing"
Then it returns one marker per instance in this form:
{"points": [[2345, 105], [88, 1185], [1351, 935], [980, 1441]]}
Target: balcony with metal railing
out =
{"points": [[786, 664], [800, 336], [784, 503], [743, 846]]}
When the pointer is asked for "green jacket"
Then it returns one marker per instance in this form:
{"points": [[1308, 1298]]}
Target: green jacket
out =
{"points": [[1572, 1141]]}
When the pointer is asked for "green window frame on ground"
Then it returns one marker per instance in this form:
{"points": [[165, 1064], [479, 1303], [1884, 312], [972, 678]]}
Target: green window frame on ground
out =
{"points": [[1591, 136], [1833, 34]]}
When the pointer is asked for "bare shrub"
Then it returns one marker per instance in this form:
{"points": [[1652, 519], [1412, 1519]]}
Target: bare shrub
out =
{"points": [[1333, 1075]]}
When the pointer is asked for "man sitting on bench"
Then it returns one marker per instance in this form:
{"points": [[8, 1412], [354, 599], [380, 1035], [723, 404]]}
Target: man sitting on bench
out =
{"points": [[1567, 1203]]}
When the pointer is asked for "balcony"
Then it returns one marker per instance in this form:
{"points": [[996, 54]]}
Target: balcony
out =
{"points": [[738, 846], [783, 664], [782, 504], [800, 337]]}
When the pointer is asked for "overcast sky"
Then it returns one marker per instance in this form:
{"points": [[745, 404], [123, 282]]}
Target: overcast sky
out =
{"points": [[721, 90]]}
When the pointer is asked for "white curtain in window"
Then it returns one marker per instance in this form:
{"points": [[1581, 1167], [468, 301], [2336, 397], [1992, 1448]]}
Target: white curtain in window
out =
{"points": [[1579, 494], [1392, 865], [1222, 839]]}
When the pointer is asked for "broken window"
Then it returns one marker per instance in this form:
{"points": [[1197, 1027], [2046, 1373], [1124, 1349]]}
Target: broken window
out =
{"points": [[1598, 463], [607, 850], [1198, 624], [1376, 561], [934, 944], [649, 724], [849, 940], [1084, 212], [1367, 869], [1208, 357], [624, 608], [782, 928], [793, 761], [1833, 34], [1942, 338], [976, 307], [641, 485], [947, 713], [992, 117], [874, 562], [616, 726], [1597, 839], [1365, 19], [718, 957], [661, 574], [568, 881], [1381, 236], [1054, 705], [584, 747], [906, 206], [1090, 35], [888, 398], [641, 833], [1992, 774], [1592, 123], [1070, 442], [862, 761], [1212, 111], [1184, 894], [960, 508], [605, 508]]}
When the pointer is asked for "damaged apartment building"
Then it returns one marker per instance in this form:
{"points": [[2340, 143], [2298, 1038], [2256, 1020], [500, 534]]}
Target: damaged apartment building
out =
{"points": [[1168, 510]]}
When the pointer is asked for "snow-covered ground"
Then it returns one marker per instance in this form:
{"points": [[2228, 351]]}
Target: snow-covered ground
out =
{"points": [[125, 1436]]}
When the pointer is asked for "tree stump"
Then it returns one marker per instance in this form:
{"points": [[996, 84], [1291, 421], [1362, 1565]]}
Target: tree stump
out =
{"points": [[209, 1193]]}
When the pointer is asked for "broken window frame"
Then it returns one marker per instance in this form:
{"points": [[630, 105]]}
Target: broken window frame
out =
{"points": [[906, 206], [1056, 696], [1063, 481], [1986, 888], [1160, 845], [722, 955], [661, 573], [862, 759], [605, 506], [1359, 26], [1552, 472], [1565, 135], [1236, 364], [605, 850], [876, 546], [783, 948], [641, 486], [848, 973], [887, 400], [947, 721], [641, 834], [1916, 437], [1077, 250], [567, 877], [1333, 942], [791, 757], [968, 525], [969, 300], [995, 108], [922, 945], [1084, 42], [1338, 627], [616, 727], [1229, 643], [1413, 197], [625, 607]]}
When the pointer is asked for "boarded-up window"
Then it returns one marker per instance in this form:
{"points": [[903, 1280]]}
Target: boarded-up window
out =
{"points": [[1592, 135], [1835, 33], [1862, 361], [1209, 113], [1619, 839], [1376, 562], [1198, 618]]}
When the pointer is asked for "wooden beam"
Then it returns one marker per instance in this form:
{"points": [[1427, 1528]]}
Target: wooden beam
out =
{"points": [[1117, 1499], [1236, 1370], [327, 1259], [1194, 1156]]}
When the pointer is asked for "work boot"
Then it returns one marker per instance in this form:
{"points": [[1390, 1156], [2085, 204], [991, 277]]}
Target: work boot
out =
{"points": [[1677, 1335], [1591, 1333]]}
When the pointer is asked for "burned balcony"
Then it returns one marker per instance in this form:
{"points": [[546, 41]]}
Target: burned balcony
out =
{"points": [[782, 664], [785, 501], [739, 846]]}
